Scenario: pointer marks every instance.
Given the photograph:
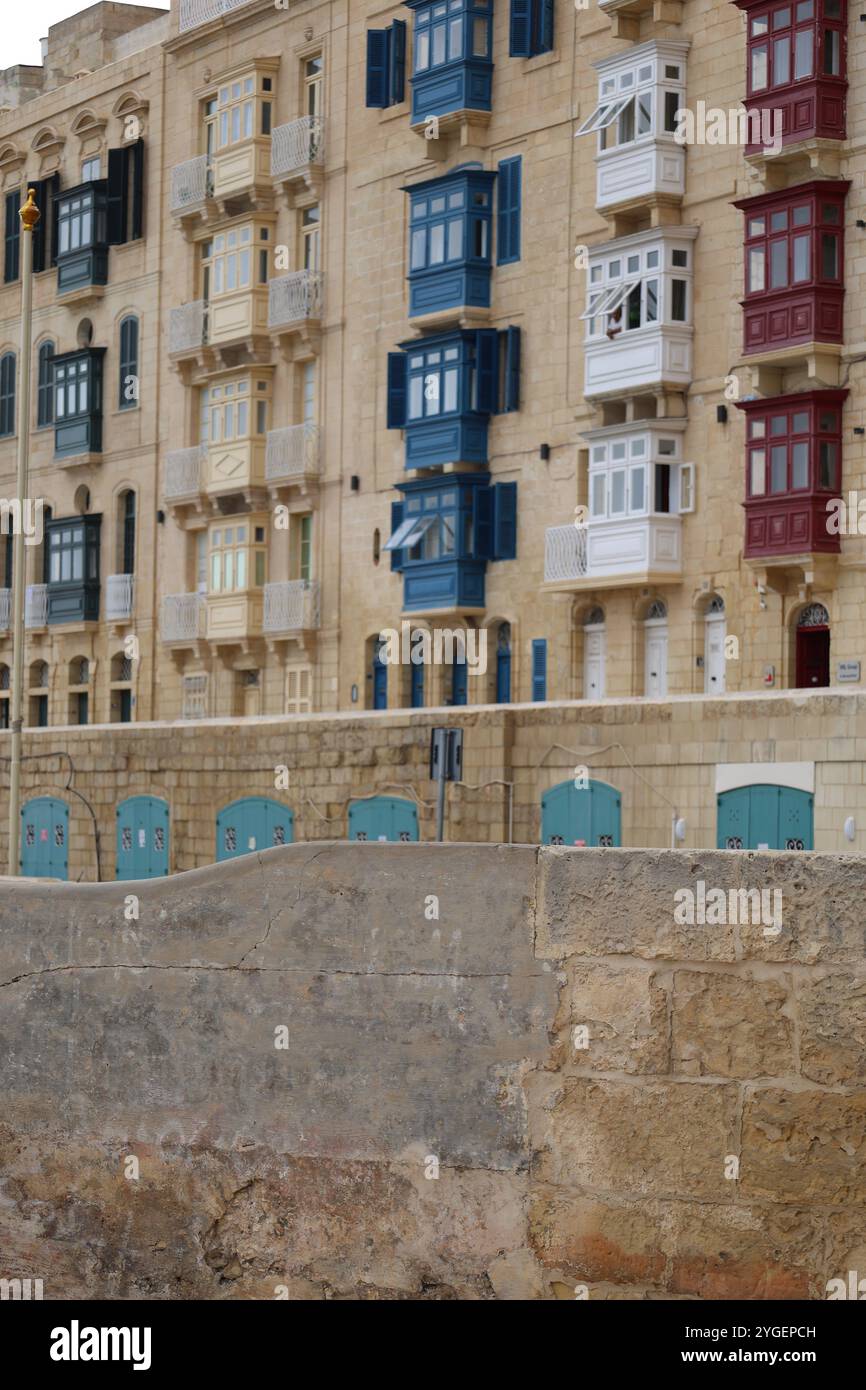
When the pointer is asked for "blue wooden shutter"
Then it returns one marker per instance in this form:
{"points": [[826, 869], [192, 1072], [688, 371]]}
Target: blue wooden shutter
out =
{"points": [[397, 62], [396, 519], [377, 67], [545, 26], [39, 230], [45, 388], [7, 395], [508, 195], [512, 369], [505, 521], [482, 540], [12, 242], [539, 668], [135, 157], [396, 390], [520, 29], [118, 189], [487, 370], [51, 210]]}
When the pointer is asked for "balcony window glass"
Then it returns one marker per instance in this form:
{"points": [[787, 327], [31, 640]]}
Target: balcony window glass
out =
{"points": [[829, 256], [636, 489], [598, 494], [805, 43], [75, 222], [617, 492], [678, 301], [828, 465], [236, 104], [229, 409], [757, 269], [434, 380], [760, 68], [800, 465], [71, 388], [791, 258], [757, 472], [779, 468], [789, 56], [234, 557], [832, 53]]}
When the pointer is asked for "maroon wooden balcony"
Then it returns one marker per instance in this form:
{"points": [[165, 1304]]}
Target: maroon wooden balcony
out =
{"points": [[797, 65]]}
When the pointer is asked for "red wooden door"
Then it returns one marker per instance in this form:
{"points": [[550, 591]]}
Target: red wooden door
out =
{"points": [[813, 657]]}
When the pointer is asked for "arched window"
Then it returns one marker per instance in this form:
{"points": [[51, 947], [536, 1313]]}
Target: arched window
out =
{"points": [[7, 394], [128, 381], [44, 390]]}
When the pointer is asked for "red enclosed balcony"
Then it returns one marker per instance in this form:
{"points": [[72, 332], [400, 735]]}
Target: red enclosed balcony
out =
{"points": [[793, 470], [797, 65], [794, 266]]}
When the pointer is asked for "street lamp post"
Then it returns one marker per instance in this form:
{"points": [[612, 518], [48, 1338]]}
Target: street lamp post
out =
{"points": [[29, 215]]}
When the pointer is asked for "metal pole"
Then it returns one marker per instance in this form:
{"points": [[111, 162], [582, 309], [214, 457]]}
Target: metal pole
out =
{"points": [[440, 797], [29, 215]]}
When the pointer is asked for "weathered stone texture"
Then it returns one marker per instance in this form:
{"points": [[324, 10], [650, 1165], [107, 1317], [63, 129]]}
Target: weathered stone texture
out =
{"points": [[431, 1130]]}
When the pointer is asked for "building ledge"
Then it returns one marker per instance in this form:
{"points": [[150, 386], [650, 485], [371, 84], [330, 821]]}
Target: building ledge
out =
{"points": [[821, 360], [586, 582], [786, 573]]}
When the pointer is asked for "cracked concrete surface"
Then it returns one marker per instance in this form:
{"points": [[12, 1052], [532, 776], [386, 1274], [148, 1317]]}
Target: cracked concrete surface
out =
{"points": [[418, 1046]]}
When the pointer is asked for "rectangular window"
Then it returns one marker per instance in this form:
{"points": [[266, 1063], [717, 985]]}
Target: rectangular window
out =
{"points": [[678, 301], [12, 237]]}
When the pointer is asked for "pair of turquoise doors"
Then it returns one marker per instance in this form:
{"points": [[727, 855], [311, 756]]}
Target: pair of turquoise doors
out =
{"points": [[765, 817], [142, 838], [590, 815]]}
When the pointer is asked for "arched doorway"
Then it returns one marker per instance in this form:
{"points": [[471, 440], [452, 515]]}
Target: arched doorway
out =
{"points": [[590, 815], [813, 648], [764, 816], [503, 664], [656, 651], [383, 818], [45, 838], [594, 655], [715, 631], [251, 823], [142, 838]]}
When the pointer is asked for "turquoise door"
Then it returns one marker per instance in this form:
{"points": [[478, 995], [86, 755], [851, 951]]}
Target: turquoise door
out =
{"points": [[45, 838], [581, 816], [142, 837], [383, 818], [764, 817], [252, 823]]}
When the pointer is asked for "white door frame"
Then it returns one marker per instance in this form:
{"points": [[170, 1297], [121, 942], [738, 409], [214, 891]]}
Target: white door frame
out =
{"points": [[595, 630]]}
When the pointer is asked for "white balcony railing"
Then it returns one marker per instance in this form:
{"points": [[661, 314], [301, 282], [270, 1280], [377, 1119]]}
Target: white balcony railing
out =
{"points": [[196, 12], [292, 452], [293, 298], [187, 326], [36, 605], [564, 553], [184, 472], [5, 609], [183, 617], [292, 606], [119, 593], [191, 183], [297, 144]]}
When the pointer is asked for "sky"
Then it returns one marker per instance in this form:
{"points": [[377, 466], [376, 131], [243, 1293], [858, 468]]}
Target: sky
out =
{"points": [[25, 22]]}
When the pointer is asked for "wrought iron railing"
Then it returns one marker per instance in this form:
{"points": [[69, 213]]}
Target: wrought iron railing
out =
{"points": [[292, 606], [292, 452], [187, 326], [293, 298], [183, 617], [191, 183], [184, 470], [297, 144], [119, 594], [36, 605], [196, 12], [564, 552]]}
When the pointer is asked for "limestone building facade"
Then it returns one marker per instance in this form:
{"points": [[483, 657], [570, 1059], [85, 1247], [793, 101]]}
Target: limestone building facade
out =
{"points": [[538, 322]]}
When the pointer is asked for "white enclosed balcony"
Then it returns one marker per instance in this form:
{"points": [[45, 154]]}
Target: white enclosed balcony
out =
{"points": [[182, 620], [187, 328], [298, 151], [640, 161], [184, 473], [191, 186], [119, 597], [639, 316], [291, 606], [638, 488], [295, 301], [5, 609], [292, 454], [196, 12], [36, 606]]}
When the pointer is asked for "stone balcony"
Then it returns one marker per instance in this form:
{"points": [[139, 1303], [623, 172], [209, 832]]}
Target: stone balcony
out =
{"points": [[184, 474], [191, 189], [194, 13], [297, 158], [5, 610], [295, 309]]}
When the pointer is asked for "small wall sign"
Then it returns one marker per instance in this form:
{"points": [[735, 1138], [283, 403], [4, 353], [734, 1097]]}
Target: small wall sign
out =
{"points": [[848, 671]]}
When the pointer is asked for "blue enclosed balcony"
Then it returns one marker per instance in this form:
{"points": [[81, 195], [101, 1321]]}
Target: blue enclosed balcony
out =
{"points": [[77, 395], [444, 532], [82, 237], [452, 64], [442, 390], [449, 242]]}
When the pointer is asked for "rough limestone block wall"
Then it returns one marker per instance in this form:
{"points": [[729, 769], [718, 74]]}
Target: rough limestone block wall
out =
{"points": [[349, 1071]]}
